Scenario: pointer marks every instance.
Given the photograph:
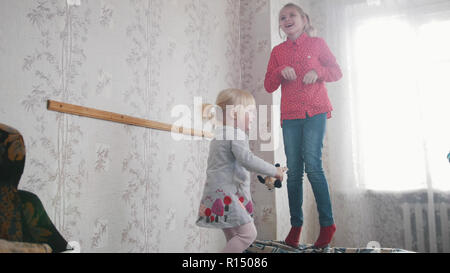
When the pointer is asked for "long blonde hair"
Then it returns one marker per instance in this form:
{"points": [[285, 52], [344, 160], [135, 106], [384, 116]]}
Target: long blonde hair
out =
{"points": [[227, 97], [309, 29]]}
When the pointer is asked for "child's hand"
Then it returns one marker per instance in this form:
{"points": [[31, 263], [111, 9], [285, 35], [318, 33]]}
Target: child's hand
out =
{"points": [[289, 74], [280, 173], [310, 77]]}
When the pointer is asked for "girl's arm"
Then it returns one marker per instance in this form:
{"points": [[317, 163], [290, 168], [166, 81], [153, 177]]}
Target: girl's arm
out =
{"points": [[251, 162], [330, 70], [273, 75]]}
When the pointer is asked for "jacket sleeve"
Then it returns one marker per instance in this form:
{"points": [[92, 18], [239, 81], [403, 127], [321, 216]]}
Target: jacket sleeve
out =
{"points": [[251, 162], [329, 71], [273, 77]]}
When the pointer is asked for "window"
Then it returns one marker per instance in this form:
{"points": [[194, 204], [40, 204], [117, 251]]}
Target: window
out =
{"points": [[402, 92]]}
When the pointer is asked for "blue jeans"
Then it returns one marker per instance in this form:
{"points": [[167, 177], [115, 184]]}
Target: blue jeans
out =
{"points": [[303, 143]]}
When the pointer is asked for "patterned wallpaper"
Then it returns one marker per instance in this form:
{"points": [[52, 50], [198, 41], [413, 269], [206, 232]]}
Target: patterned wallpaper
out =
{"points": [[117, 188]]}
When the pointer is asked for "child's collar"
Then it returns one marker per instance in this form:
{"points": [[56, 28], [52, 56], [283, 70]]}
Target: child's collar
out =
{"points": [[298, 41]]}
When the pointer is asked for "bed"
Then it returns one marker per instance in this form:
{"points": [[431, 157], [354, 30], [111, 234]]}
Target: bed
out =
{"points": [[280, 247]]}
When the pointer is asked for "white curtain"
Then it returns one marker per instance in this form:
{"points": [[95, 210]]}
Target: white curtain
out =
{"points": [[387, 144]]}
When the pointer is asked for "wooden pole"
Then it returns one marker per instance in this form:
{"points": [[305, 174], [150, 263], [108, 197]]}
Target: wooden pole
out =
{"points": [[124, 119]]}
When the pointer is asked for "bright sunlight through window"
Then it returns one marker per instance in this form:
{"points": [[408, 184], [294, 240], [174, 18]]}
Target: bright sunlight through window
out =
{"points": [[402, 104]]}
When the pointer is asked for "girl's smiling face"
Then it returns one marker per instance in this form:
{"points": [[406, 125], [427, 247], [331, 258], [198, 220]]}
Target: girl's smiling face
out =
{"points": [[291, 22]]}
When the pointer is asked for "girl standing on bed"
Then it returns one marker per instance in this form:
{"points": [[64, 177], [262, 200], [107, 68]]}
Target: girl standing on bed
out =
{"points": [[226, 202], [301, 65]]}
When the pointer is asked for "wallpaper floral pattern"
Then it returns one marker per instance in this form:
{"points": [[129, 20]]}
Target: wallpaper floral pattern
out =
{"points": [[55, 65], [112, 187]]}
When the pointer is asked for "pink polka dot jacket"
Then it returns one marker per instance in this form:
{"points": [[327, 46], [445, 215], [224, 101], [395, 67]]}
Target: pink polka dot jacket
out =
{"points": [[303, 55]]}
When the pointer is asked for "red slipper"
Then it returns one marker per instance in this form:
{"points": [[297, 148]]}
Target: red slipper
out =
{"points": [[325, 236], [293, 238]]}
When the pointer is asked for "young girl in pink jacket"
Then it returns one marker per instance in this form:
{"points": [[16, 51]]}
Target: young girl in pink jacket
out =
{"points": [[301, 65]]}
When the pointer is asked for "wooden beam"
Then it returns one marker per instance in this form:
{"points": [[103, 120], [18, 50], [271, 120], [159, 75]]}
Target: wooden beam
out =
{"points": [[119, 118]]}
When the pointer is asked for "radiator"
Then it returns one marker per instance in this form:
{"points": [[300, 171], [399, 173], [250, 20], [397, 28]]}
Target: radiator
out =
{"points": [[426, 232]]}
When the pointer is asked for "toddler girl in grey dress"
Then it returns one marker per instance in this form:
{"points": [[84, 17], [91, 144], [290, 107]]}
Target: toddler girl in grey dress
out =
{"points": [[226, 202]]}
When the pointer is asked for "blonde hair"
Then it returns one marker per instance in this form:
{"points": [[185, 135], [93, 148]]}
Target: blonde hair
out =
{"points": [[309, 29], [228, 97]]}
